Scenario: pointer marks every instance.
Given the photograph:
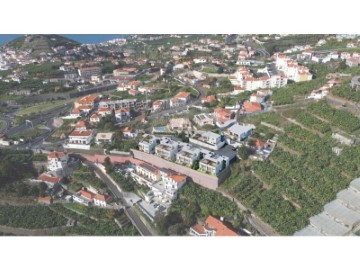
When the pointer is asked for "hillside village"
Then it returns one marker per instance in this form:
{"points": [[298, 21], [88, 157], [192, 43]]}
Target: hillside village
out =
{"points": [[155, 125]]}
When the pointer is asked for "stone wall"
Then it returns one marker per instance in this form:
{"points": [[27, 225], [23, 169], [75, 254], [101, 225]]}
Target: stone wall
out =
{"points": [[205, 180]]}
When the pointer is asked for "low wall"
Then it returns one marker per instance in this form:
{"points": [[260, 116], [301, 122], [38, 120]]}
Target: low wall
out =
{"points": [[205, 180], [113, 158]]}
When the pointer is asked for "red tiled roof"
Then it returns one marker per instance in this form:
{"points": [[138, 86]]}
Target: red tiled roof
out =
{"points": [[127, 129], [101, 197], [75, 111], [45, 199], [182, 94], [56, 154], [48, 178], [198, 228], [80, 124], [252, 106], [81, 133], [178, 178], [221, 228], [87, 194], [88, 99], [95, 116]]}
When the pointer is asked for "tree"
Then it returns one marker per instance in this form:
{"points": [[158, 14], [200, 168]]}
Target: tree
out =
{"points": [[108, 165], [244, 152], [161, 222], [177, 229]]}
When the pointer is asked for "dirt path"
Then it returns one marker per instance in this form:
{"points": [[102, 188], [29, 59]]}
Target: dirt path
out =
{"points": [[265, 185], [30, 232], [287, 149]]}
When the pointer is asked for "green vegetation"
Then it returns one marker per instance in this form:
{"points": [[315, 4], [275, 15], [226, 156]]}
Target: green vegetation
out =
{"points": [[42, 107], [15, 166], [338, 118], [94, 221], [312, 122], [291, 40], [30, 217], [46, 69], [86, 175], [346, 92], [195, 203], [41, 43]]}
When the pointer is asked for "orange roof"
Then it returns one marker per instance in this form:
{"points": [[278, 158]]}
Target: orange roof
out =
{"points": [[45, 199], [75, 111], [178, 178], [48, 178], [198, 228], [252, 106], [85, 107], [56, 154], [101, 197], [104, 110], [157, 102], [77, 133], [125, 110], [220, 228], [88, 99], [260, 144], [87, 194], [182, 94], [95, 116], [80, 124], [127, 129], [209, 98]]}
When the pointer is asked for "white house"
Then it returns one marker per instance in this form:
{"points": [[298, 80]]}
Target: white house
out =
{"points": [[57, 162], [188, 155], [208, 139], [239, 132], [104, 137], [101, 200], [81, 137], [148, 144], [213, 163], [167, 149]]}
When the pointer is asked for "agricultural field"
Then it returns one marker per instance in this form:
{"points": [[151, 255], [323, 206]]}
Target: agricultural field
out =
{"points": [[302, 174]]}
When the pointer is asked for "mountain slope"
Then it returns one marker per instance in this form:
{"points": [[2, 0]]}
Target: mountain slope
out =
{"points": [[41, 43]]}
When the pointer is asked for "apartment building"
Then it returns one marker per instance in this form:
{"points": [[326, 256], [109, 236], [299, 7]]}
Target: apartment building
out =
{"points": [[239, 132], [188, 155], [87, 72], [291, 68], [167, 149], [213, 163], [146, 174], [208, 139], [148, 144]]}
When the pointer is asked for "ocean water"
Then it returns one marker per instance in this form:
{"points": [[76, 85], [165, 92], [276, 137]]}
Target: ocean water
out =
{"points": [[82, 38]]}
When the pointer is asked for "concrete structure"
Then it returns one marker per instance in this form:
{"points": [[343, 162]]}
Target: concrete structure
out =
{"points": [[355, 83], [188, 155], [212, 227], [239, 132], [213, 163], [87, 72], [204, 119], [57, 162], [148, 144], [167, 149], [208, 139], [81, 137], [205, 180], [104, 137]]}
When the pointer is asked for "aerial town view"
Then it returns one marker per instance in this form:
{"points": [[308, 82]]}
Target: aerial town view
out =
{"points": [[180, 135]]}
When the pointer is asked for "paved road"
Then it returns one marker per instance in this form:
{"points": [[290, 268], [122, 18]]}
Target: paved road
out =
{"points": [[129, 210], [41, 118]]}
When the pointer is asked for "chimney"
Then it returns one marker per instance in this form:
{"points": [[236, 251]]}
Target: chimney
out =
{"points": [[222, 219]]}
